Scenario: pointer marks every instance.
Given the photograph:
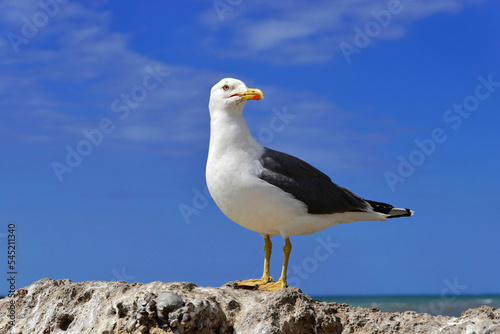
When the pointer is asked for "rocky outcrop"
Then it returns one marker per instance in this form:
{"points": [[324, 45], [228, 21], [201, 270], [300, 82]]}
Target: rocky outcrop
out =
{"points": [[98, 307]]}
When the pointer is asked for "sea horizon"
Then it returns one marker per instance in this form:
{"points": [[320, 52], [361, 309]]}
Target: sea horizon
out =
{"points": [[447, 305]]}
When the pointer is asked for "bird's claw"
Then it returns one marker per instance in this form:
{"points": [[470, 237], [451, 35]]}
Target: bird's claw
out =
{"points": [[253, 284], [273, 286]]}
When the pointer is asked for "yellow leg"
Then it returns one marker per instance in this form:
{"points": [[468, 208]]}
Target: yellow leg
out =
{"points": [[266, 277], [275, 286]]}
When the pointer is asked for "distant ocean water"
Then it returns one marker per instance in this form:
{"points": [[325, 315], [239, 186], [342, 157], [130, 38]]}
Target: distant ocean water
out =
{"points": [[435, 305]]}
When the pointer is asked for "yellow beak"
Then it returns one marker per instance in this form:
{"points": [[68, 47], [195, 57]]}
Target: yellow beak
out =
{"points": [[252, 94]]}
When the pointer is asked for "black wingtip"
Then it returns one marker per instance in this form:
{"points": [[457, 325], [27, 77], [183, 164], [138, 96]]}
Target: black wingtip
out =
{"points": [[400, 213], [380, 207]]}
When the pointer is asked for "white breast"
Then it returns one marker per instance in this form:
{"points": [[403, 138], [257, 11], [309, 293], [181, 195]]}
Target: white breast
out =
{"points": [[232, 174]]}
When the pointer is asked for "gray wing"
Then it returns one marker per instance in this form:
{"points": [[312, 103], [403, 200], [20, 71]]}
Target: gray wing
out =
{"points": [[308, 184]]}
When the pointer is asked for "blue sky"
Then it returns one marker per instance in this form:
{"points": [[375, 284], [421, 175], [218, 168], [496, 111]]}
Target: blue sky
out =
{"points": [[105, 127]]}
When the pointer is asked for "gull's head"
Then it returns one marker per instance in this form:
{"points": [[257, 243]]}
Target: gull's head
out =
{"points": [[229, 95]]}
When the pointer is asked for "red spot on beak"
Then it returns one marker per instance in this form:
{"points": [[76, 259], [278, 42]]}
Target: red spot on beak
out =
{"points": [[256, 97]]}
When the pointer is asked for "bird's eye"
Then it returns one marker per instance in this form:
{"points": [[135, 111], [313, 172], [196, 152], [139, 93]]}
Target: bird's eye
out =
{"points": [[225, 87]]}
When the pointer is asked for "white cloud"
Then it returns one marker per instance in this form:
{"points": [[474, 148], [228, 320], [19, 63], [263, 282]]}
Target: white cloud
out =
{"points": [[67, 78], [11, 11], [270, 33], [310, 32]]}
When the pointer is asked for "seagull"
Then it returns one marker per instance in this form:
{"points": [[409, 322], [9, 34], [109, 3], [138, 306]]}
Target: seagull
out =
{"points": [[271, 192]]}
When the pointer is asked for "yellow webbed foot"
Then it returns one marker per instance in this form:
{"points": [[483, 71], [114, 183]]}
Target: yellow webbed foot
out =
{"points": [[273, 286], [253, 283]]}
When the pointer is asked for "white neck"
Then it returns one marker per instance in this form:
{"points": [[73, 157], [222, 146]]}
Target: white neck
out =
{"points": [[229, 132]]}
